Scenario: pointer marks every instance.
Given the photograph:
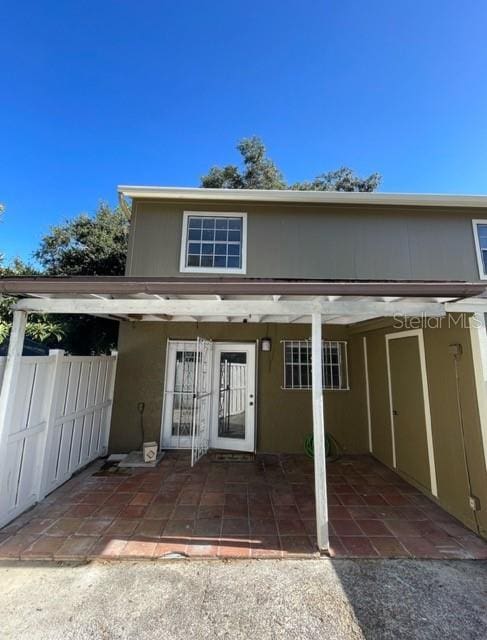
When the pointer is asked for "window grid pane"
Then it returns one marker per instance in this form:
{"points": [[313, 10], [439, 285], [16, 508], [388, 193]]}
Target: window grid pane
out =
{"points": [[297, 364], [214, 242]]}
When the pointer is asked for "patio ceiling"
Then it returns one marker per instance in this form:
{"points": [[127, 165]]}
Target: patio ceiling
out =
{"points": [[242, 299]]}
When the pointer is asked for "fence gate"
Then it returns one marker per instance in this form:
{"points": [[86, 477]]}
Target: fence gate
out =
{"points": [[59, 422], [201, 400]]}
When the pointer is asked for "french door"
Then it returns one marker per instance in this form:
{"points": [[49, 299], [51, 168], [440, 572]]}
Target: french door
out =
{"points": [[209, 397], [233, 405]]}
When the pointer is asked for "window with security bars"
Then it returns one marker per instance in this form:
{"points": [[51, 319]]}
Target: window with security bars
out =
{"points": [[297, 364]]}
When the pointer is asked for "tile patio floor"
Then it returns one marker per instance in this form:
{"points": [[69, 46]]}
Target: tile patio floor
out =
{"points": [[253, 509]]}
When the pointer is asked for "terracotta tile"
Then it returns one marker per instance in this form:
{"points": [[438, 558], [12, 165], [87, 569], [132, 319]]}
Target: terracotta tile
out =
{"points": [[284, 498], [339, 513], [233, 547], [43, 548], [149, 528], [120, 498], [336, 548], [81, 510], [37, 526], [284, 512], [170, 547], [133, 511], [349, 499], [160, 511], [93, 527], [95, 497], [208, 527], [347, 528], [136, 548], [184, 512], [231, 526], [297, 546], [373, 528], [215, 511], [356, 546], [455, 528], [420, 548], [396, 500], [142, 499], [15, 544], [290, 527], [179, 528], [263, 526], [64, 527], [75, 548], [107, 547], [375, 500], [362, 513], [122, 527], [108, 512], [389, 547], [266, 547], [213, 498]]}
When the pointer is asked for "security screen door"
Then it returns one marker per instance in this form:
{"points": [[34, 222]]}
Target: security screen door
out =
{"points": [[209, 397]]}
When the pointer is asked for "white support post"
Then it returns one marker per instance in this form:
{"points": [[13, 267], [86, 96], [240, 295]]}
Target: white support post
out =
{"points": [[319, 433], [111, 390], [7, 392], [51, 403]]}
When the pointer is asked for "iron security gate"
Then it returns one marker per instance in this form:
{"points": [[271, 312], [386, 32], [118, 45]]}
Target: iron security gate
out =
{"points": [[200, 428]]}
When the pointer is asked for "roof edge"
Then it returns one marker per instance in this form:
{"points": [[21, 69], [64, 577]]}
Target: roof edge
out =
{"points": [[301, 197]]}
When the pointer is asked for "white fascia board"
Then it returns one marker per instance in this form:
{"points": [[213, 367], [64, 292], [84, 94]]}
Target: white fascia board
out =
{"points": [[243, 308], [303, 197]]}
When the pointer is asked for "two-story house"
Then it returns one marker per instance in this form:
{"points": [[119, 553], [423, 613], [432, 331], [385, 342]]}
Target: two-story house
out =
{"points": [[239, 308]]}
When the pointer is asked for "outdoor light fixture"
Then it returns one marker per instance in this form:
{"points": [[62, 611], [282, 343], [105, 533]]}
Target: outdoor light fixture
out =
{"points": [[265, 344]]}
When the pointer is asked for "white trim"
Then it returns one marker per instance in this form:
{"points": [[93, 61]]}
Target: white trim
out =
{"points": [[213, 214], [242, 307], [427, 409], [478, 251], [367, 392], [478, 339], [319, 434], [311, 197]]}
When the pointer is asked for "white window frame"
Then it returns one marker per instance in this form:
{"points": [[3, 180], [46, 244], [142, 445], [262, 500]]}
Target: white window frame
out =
{"points": [[343, 365], [213, 214], [478, 250]]}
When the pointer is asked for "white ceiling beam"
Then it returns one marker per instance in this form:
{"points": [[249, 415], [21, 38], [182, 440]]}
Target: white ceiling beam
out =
{"points": [[244, 308]]}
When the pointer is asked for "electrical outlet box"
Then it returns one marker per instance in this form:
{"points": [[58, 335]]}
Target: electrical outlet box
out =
{"points": [[474, 503]]}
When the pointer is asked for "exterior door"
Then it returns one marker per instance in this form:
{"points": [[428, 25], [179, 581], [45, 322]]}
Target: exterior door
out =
{"points": [[177, 431], [233, 402], [408, 409]]}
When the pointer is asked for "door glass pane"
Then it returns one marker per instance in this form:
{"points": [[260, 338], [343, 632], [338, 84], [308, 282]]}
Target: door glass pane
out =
{"points": [[182, 410], [232, 395]]}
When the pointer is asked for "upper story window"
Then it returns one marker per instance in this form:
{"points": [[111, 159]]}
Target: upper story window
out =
{"points": [[480, 234], [214, 242]]}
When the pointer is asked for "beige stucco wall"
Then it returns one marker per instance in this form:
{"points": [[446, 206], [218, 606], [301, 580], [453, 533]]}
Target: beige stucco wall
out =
{"points": [[325, 241], [284, 417], [453, 404]]}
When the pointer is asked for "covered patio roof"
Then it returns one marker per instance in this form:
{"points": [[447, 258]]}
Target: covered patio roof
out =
{"points": [[242, 299]]}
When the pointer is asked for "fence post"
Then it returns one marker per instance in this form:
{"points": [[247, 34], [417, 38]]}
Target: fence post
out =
{"points": [[7, 393], [52, 393], [110, 389]]}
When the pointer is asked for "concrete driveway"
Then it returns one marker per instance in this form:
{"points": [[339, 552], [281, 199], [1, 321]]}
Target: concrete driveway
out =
{"points": [[322, 599]]}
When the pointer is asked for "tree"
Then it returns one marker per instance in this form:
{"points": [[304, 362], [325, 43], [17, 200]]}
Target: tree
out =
{"points": [[260, 172], [87, 245]]}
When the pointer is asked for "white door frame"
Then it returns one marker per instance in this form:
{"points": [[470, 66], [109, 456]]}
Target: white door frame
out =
{"points": [[247, 444], [418, 333]]}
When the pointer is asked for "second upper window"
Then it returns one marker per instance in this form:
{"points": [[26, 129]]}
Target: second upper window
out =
{"points": [[213, 242]]}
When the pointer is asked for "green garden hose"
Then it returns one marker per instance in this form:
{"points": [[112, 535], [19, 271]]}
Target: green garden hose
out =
{"points": [[309, 448]]}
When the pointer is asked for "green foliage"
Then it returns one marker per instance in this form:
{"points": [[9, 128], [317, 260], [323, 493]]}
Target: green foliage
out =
{"points": [[87, 245], [83, 246], [259, 172], [41, 328]]}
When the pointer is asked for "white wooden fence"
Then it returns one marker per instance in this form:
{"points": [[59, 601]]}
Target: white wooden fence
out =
{"points": [[59, 422]]}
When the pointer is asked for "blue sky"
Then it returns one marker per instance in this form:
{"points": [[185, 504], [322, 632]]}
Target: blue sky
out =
{"points": [[103, 92]]}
